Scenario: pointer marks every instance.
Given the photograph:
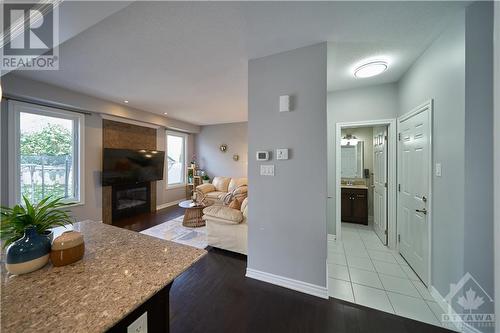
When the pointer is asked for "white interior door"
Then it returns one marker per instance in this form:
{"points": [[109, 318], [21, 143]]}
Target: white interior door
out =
{"points": [[380, 182], [414, 189]]}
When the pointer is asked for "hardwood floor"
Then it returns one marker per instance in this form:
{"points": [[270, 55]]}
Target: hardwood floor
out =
{"points": [[215, 296], [147, 220]]}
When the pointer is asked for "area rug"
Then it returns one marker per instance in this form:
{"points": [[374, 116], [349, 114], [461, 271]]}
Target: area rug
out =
{"points": [[174, 231]]}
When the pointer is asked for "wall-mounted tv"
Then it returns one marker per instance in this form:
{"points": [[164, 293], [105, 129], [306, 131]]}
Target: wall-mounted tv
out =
{"points": [[127, 166]]}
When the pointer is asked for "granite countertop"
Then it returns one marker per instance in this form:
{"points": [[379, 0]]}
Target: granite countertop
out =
{"points": [[121, 269]]}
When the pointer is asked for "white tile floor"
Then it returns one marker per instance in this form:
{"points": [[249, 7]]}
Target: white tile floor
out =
{"points": [[364, 271]]}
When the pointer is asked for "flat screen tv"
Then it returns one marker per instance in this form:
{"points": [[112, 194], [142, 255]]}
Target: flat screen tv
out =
{"points": [[127, 166]]}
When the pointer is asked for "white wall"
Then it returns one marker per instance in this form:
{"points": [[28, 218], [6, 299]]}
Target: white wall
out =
{"points": [[217, 163], [369, 103], [287, 212]]}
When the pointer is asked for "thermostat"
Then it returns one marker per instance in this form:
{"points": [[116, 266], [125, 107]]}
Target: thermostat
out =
{"points": [[262, 155]]}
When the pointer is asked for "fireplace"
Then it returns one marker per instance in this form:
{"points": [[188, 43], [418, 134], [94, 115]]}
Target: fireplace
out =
{"points": [[130, 199]]}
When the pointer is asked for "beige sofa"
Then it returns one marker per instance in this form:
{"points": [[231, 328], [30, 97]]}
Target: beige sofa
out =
{"points": [[227, 228], [215, 192]]}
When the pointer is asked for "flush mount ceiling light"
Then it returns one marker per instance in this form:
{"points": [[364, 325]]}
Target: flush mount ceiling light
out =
{"points": [[165, 113], [125, 101], [370, 69], [349, 140]]}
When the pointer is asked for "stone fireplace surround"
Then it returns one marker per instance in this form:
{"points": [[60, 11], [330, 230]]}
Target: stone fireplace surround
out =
{"points": [[125, 136]]}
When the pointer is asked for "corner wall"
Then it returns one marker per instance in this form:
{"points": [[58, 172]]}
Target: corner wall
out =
{"points": [[217, 163], [287, 212]]}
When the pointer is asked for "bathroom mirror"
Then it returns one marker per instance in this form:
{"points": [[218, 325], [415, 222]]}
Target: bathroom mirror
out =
{"points": [[352, 160]]}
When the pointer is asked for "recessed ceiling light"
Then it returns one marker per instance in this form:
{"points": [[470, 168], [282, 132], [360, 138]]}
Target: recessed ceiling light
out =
{"points": [[370, 69], [165, 113], [125, 101]]}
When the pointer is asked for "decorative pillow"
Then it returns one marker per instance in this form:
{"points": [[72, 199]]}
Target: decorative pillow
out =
{"points": [[221, 183], [231, 216], [235, 204], [244, 207], [236, 182], [205, 188]]}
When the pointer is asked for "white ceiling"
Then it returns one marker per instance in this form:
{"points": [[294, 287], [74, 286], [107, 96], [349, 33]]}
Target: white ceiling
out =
{"points": [[190, 59]]}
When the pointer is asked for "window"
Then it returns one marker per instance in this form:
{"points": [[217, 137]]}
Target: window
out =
{"points": [[46, 157], [176, 159]]}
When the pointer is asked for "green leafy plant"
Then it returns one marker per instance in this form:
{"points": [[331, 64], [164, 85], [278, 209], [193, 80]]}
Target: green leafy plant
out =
{"points": [[48, 213], [206, 177]]}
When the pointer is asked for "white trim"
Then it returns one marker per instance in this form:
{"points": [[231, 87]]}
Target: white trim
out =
{"points": [[391, 175], [185, 137], [441, 301], [428, 105], [303, 287], [331, 237], [14, 110], [176, 186], [168, 204]]}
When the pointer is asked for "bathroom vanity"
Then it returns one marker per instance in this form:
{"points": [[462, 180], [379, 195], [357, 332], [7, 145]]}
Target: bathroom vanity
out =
{"points": [[354, 204]]}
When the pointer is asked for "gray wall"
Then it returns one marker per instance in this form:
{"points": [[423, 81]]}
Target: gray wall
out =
{"points": [[287, 212], [496, 141], [479, 146], [439, 74], [456, 71], [92, 209], [369, 103], [217, 163]]}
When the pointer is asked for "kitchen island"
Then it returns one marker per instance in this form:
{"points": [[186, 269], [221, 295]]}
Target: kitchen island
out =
{"points": [[122, 275]]}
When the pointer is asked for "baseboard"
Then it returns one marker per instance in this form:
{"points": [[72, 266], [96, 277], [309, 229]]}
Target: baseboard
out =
{"points": [[440, 300], [168, 204], [332, 237], [303, 287]]}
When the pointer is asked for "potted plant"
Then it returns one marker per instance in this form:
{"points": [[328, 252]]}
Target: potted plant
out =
{"points": [[47, 214], [205, 179], [193, 161], [25, 231]]}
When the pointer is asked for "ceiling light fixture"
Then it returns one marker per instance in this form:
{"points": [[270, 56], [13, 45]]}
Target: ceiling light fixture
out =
{"points": [[125, 101], [349, 140], [370, 69], [165, 113]]}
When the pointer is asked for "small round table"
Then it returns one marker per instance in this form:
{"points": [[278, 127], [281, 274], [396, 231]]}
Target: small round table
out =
{"points": [[193, 214]]}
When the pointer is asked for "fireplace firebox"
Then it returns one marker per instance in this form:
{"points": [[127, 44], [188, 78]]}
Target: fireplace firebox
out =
{"points": [[130, 199]]}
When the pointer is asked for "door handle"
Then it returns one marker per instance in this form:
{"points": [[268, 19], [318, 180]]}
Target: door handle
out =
{"points": [[423, 211]]}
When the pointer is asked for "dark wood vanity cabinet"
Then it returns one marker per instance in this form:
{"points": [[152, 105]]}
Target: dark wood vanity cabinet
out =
{"points": [[354, 205]]}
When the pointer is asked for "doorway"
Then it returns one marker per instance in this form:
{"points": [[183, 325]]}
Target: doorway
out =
{"points": [[414, 188], [380, 180]]}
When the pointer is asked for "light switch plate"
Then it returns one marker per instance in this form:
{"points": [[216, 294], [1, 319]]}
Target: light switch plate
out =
{"points": [[438, 170], [282, 153], [267, 170], [140, 325]]}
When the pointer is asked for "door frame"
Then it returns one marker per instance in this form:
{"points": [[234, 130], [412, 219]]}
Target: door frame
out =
{"points": [[428, 105], [391, 174]]}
